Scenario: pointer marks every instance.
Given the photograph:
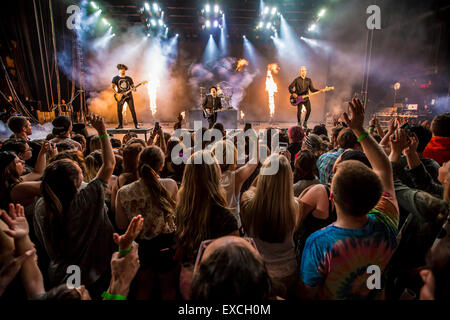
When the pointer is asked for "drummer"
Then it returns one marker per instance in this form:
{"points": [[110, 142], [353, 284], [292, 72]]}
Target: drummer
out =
{"points": [[219, 92]]}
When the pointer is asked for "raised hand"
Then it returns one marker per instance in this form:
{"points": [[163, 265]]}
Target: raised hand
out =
{"points": [[123, 271], [97, 123], [357, 120], [134, 228], [398, 142], [412, 145], [16, 221], [392, 125]]}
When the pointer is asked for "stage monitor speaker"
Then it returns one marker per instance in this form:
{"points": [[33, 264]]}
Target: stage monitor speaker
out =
{"points": [[228, 118]]}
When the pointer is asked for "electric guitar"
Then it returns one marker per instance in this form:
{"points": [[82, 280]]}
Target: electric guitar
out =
{"points": [[295, 101], [119, 96], [209, 114]]}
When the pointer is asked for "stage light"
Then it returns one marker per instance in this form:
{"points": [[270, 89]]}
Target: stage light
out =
{"points": [[153, 22], [160, 22], [207, 8], [113, 35], [274, 10], [216, 23], [155, 6], [105, 22], [216, 8], [260, 25], [148, 35], [243, 36], [147, 6], [177, 35], [94, 5], [208, 23], [266, 10], [268, 25], [322, 12], [312, 27], [99, 12]]}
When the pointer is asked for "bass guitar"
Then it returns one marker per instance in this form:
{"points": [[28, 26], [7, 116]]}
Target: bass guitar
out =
{"points": [[119, 96], [296, 100]]}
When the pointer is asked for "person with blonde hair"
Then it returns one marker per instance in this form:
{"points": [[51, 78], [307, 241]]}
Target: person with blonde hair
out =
{"points": [[201, 212], [232, 179], [270, 214]]}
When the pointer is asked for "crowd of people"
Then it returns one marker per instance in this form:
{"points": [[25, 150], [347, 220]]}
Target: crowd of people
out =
{"points": [[354, 213]]}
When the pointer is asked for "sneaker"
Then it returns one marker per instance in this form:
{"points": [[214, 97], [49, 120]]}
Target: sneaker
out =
{"points": [[136, 126]]}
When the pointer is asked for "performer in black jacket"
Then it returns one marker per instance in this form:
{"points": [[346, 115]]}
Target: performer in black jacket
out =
{"points": [[301, 86], [210, 103]]}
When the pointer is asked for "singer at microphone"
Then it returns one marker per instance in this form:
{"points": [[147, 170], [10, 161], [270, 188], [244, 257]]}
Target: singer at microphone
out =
{"points": [[210, 104]]}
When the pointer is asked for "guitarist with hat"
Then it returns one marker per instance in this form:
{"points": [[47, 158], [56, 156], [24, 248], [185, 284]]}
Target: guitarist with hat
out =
{"points": [[121, 84], [301, 86]]}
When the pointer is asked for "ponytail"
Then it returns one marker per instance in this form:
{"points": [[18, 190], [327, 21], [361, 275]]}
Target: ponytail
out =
{"points": [[160, 197]]}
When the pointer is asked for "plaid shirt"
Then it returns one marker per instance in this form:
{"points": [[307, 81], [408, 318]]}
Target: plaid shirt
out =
{"points": [[325, 164]]}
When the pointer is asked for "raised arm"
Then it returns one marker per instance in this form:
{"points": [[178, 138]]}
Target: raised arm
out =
{"points": [[377, 157], [32, 279], [244, 172], [109, 161], [162, 140], [391, 129], [41, 162]]}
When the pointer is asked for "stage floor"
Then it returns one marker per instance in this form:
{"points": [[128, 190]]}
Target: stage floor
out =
{"points": [[168, 127]]}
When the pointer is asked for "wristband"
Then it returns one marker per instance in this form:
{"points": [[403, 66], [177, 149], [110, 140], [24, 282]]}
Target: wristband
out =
{"points": [[103, 136], [363, 136], [126, 251], [108, 296]]}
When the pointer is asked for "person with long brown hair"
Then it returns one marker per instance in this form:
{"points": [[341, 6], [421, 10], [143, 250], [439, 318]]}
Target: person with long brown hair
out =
{"points": [[72, 223], [201, 212], [270, 214], [153, 198], [15, 185]]}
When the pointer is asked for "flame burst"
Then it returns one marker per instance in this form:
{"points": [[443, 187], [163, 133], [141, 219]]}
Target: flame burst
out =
{"points": [[271, 86], [241, 64], [242, 115], [153, 85]]}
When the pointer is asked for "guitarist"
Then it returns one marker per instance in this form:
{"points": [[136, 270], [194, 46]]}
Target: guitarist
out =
{"points": [[301, 86], [210, 103], [120, 84]]}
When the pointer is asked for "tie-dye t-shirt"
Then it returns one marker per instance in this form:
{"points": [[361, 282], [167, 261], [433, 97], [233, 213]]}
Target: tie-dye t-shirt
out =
{"points": [[336, 259]]}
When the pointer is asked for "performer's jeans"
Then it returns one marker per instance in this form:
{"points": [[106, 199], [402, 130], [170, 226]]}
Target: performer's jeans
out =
{"points": [[212, 120], [120, 104], [307, 105]]}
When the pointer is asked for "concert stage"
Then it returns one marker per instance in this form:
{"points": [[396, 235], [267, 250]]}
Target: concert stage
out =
{"points": [[146, 128]]}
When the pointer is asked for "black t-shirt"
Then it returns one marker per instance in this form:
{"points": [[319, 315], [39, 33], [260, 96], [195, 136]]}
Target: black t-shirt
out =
{"points": [[123, 83]]}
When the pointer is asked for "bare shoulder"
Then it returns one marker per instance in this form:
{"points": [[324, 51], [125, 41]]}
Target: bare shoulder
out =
{"points": [[169, 184]]}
